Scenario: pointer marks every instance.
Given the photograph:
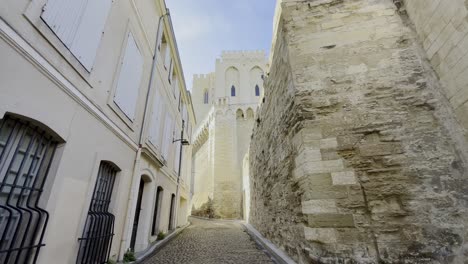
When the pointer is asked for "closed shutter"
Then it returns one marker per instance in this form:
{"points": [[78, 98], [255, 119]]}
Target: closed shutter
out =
{"points": [[63, 17], [176, 86], [177, 154], [167, 58], [167, 140], [126, 94], [79, 25], [155, 129], [89, 33], [171, 72]]}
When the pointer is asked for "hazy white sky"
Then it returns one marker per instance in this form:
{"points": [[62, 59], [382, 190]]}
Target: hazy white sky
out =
{"points": [[204, 28]]}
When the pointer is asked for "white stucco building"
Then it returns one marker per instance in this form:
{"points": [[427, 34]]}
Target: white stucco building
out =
{"points": [[92, 103], [225, 102]]}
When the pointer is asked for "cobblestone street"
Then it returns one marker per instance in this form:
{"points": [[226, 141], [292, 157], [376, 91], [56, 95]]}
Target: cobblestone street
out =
{"points": [[211, 242]]}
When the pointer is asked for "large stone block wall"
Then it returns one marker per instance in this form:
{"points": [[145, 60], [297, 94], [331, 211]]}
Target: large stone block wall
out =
{"points": [[442, 27], [356, 156], [218, 161], [227, 180]]}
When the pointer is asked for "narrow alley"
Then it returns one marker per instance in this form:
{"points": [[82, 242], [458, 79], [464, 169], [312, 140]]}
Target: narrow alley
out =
{"points": [[210, 242]]}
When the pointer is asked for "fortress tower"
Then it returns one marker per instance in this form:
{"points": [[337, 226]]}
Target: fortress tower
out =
{"points": [[225, 103]]}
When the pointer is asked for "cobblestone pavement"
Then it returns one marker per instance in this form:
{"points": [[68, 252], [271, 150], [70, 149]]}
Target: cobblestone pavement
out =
{"points": [[211, 242]]}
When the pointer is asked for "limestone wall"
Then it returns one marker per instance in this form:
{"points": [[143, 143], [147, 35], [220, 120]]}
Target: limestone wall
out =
{"points": [[442, 27], [353, 158]]}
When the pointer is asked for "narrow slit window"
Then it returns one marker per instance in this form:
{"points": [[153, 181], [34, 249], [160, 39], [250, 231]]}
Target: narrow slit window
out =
{"points": [[257, 90], [205, 97], [233, 91]]}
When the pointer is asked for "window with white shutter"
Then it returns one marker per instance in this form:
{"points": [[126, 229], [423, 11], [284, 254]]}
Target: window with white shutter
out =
{"points": [[171, 72], [175, 87], [168, 135], [79, 24], [126, 93], [155, 129], [177, 154]]}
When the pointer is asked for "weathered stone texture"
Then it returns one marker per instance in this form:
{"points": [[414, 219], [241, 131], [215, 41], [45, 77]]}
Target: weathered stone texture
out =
{"points": [[353, 157]]}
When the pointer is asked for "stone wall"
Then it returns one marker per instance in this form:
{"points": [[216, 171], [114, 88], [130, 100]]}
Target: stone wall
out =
{"points": [[442, 27], [218, 156], [354, 156]]}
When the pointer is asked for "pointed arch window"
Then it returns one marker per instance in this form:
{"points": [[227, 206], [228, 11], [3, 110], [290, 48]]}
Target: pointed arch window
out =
{"points": [[233, 91], [257, 90], [205, 97]]}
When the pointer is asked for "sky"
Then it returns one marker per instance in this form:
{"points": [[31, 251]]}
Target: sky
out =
{"points": [[204, 28]]}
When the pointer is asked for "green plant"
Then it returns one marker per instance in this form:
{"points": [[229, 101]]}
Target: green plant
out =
{"points": [[129, 256], [110, 261], [161, 235]]}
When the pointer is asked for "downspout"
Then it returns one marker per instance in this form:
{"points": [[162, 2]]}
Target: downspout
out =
{"points": [[136, 166]]}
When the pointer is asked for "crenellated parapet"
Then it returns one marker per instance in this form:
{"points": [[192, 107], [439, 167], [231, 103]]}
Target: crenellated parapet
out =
{"points": [[242, 55]]}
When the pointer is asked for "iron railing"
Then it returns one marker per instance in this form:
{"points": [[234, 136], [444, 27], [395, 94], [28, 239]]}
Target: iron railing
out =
{"points": [[26, 153], [97, 237]]}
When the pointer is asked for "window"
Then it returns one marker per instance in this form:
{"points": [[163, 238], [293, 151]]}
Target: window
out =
{"points": [[170, 75], [126, 94], [205, 97], [26, 153], [177, 154], [157, 209], [233, 91], [96, 241], [165, 52], [171, 212], [155, 128], [79, 25], [175, 86], [257, 90], [168, 136]]}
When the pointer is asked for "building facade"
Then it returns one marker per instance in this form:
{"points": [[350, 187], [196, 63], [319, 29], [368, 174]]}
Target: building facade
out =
{"points": [[225, 103], [92, 106], [360, 151]]}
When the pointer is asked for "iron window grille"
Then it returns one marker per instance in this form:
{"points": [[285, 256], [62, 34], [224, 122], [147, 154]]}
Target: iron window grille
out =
{"points": [[26, 154], [96, 243]]}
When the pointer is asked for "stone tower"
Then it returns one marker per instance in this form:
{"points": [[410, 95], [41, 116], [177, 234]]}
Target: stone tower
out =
{"points": [[225, 103], [357, 155]]}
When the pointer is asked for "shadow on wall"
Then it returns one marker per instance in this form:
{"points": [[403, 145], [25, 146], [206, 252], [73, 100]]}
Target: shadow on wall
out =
{"points": [[206, 210]]}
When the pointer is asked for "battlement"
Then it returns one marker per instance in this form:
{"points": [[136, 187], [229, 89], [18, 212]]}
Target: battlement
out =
{"points": [[202, 76], [242, 54]]}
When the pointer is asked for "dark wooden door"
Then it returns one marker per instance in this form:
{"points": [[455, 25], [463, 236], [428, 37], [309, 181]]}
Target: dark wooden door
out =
{"points": [[137, 215]]}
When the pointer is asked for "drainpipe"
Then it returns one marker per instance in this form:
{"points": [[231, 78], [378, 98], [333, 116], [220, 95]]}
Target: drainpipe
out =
{"points": [[127, 232]]}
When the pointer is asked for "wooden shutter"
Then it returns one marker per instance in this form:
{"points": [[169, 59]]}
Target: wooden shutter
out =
{"points": [[64, 17], [168, 134], [79, 25], [126, 94], [155, 129], [177, 155], [89, 33]]}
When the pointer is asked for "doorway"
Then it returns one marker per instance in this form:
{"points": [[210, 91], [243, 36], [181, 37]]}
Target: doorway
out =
{"points": [[137, 215], [171, 213]]}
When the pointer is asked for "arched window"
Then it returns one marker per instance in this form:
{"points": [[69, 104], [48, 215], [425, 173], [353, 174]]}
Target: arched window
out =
{"points": [[239, 114], [99, 226], [257, 90], [27, 149], [205, 97], [233, 91]]}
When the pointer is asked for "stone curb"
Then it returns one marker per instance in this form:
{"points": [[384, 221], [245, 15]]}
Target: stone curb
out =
{"points": [[158, 245], [277, 253]]}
